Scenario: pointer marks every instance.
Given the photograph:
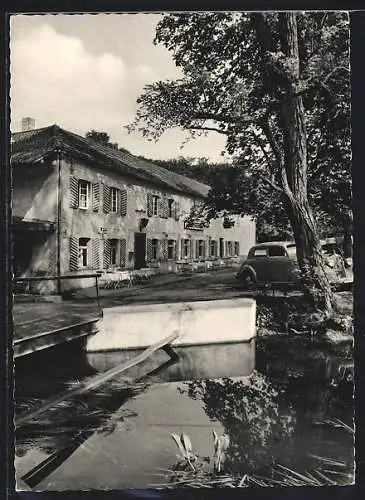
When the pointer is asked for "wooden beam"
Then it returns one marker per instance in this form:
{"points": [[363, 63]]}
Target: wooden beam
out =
{"points": [[98, 379]]}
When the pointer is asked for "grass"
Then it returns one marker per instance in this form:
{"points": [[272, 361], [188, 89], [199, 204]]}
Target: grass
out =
{"points": [[193, 471], [329, 472]]}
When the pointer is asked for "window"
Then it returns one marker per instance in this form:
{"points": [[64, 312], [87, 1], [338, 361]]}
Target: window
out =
{"points": [[84, 193], [236, 248], [113, 200], [229, 249], [170, 249], [155, 201], [83, 252], [154, 249], [113, 252], [186, 249], [213, 248], [171, 205], [292, 251], [277, 251], [201, 249], [259, 252]]}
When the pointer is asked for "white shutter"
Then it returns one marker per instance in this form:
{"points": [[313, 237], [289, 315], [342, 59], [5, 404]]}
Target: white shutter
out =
{"points": [[163, 249], [95, 196], [149, 250], [74, 192], [123, 202], [106, 263], [123, 252], [149, 204], [106, 198], [95, 253], [74, 254]]}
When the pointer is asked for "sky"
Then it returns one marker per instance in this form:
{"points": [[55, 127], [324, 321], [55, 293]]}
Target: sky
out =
{"points": [[85, 72]]}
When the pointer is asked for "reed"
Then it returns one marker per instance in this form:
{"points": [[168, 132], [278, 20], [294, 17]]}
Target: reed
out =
{"points": [[204, 474]]}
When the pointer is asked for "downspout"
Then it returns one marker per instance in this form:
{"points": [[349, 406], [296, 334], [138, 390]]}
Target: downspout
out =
{"points": [[58, 245]]}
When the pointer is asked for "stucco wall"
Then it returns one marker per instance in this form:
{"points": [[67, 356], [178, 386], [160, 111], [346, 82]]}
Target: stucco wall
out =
{"points": [[88, 223], [35, 197], [35, 191]]}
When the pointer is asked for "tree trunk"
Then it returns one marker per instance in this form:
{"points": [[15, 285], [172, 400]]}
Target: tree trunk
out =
{"points": [[294, 175]]}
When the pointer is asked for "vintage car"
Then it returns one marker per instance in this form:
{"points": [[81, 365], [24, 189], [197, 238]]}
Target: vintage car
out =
{"points": [[276, 261]]}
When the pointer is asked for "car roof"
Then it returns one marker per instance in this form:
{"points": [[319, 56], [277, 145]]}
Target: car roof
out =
{"points": [[277, 243]]}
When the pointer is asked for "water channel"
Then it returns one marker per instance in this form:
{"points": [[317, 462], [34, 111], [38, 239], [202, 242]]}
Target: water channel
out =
{"points": [[287, 407]]}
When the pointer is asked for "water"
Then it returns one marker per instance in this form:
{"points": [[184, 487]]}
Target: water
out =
{"points": [[291, 412]]}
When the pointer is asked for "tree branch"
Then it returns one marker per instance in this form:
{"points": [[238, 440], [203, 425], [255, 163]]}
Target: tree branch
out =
{"points": [[273, 143], [270, 183], [224, 118], [265, 153], [279, 158], [208, 129]]}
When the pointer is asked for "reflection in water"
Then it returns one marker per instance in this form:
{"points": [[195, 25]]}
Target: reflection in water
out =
{"points": [[295, 408], [194, 362], [250, 413], [298, 412]]}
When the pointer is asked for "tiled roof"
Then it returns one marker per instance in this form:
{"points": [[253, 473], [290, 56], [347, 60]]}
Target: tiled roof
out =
{"points": [[33, 145]]}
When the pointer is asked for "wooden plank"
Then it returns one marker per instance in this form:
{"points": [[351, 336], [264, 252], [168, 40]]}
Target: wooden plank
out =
{"points": [[70, 326], [30, 320], [99, 379], [34, 320], [27, 346]]}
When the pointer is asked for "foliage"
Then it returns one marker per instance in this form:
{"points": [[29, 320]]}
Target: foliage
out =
{"points": [[101, 137], [249, 411], [277, 86]]}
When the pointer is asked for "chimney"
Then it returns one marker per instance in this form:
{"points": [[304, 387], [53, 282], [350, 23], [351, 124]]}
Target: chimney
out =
{"points": [[28, 124]]}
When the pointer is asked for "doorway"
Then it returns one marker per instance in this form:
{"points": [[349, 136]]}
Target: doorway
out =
{"points": [[139, 250], [221, 247]]}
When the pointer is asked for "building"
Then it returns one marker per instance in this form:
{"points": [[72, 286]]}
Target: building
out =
{"points": [[79, 206]]}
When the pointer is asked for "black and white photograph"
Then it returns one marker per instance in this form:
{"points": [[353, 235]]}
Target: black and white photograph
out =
{"points": [[182, 250]]}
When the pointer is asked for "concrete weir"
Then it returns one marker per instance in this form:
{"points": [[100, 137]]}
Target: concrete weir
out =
{"points": [[198, 323]]}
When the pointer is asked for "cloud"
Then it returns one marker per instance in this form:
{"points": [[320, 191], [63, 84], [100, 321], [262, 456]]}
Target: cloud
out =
{"points": [[53, 75], [86, 72]]}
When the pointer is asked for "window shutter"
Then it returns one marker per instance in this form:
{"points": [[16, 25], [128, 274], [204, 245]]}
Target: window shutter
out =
{"points": [[174, 247], [122, 249], [123, 202], [204, 250], [176, 208], [106, 198], [95, 260], [74, 253], [106, 254], [96, 196], [149, 250], [192, 249], [226, 249], [149, 204], [165, 207], [163, 249], [74, 192], [197, 249], [160, 207], [207, 252]]}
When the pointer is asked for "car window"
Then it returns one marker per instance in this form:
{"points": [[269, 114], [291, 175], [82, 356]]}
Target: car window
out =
{"points": [[292, 250], [259, 252], [277, 251]]}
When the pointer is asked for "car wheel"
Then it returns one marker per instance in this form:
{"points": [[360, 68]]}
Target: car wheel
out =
{"points": [[247, 279]]}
